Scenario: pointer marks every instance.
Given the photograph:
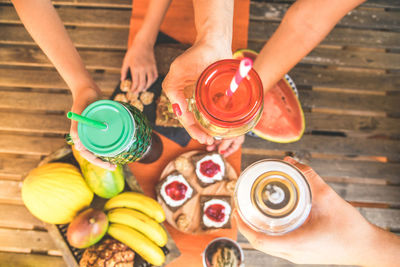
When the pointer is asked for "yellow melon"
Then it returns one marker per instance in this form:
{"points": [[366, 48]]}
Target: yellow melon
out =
{"points": [[56, 192]]}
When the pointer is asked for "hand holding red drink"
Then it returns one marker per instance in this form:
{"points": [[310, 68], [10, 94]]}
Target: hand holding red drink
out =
{"points": [[183, 73]]}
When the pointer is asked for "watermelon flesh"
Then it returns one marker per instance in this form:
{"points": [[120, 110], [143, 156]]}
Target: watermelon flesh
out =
{"points": [[282, 120]]}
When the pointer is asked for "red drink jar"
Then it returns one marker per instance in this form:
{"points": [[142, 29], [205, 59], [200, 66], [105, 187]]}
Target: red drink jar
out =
{"points": [[222, 116]]}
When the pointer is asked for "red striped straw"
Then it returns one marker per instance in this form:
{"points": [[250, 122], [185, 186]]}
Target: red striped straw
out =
{"points": [[244, 67]]}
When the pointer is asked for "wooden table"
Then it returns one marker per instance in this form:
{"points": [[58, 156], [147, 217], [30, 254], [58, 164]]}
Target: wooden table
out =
{"points": [[349, 88]]}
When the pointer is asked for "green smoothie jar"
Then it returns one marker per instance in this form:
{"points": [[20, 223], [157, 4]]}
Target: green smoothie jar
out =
{"points": [[117, 132]]}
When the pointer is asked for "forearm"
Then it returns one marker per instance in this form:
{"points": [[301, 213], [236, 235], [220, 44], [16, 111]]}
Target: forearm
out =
{"points": [[214, 21], [152, 21], [382, 249], [46, 28], [303, 27]]}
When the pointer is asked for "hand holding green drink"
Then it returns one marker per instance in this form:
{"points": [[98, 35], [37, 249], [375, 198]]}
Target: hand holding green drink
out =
{"points": [[112, 132]]}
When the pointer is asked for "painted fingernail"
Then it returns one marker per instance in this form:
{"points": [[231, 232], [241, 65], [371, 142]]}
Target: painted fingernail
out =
{"points": [[177, 110], [223, 152]]}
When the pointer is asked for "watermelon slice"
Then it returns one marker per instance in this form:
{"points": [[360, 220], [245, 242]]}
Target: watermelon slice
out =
{"points": [[282, 120]]}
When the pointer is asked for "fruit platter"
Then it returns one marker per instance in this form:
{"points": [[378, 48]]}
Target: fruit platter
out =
{"points": [[97, 217]]}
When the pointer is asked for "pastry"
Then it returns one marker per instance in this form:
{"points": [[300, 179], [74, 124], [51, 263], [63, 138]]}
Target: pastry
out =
{"points": [[183, 222], [121, 98], [184, 166], [164, 115], [137, 104], [109, 253], [146, 97], [209, 168], [230, 186], [125, 85], [215, 212], [175, 191]]}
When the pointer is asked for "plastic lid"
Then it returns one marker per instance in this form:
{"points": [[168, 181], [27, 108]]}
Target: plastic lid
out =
{"points": [[116, 137]]}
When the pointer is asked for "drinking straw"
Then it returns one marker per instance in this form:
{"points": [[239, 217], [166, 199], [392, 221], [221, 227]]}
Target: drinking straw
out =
{"points": [[87, 121], [244, 67]]}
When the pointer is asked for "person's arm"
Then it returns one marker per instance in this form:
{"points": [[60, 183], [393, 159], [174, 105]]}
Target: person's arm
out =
{"points": [[334, 233], [46, 28], [140, 57], [213, 21], [304, 26]]}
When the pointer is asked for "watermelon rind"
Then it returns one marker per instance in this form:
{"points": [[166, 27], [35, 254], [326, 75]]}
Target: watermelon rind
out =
{"points": [[241, 53], [277, 139]]}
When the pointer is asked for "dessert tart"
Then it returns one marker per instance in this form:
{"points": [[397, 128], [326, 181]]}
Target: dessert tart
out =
{"points": [[175, 190], [209, 168], [215, 212]]}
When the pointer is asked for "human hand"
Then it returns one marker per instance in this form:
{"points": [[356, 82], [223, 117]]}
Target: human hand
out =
{"points": [[183, 73], [226, 146], [334, 233], [82, 99], [141, 61]]}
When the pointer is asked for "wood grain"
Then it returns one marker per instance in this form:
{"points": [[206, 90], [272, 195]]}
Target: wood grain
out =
{"points": [[12, 168], [29, 145], [261, 31], [72, 16], [357, 18], [358, 104], [35, 101], [27, 260], [18, 217], [368, 193], [346, 81], [50, 79], [26, 241], [329, 145], [349, 171], [353, 126], [23, 56], [34, 123], [345, 58], [100, 38]]}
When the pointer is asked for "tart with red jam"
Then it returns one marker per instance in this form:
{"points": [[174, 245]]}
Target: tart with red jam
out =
{"points": [[209, 168], [175, 191], [215, 212]]}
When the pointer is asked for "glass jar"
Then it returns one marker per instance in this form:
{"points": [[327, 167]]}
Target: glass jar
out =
{"points": [[222, 116]]}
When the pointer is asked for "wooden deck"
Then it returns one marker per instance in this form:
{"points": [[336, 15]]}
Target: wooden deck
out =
{"points": [[349, 87]]}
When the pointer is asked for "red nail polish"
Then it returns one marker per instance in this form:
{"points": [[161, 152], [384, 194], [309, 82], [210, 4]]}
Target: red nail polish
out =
{"points": [[223, 152], [177, 110]]}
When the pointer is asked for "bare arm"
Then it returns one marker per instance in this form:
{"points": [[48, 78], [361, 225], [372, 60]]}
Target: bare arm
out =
{"points": [[213, 21], [304, 26], [140, 57], [46, 28], [334, 233], [153, 19]]}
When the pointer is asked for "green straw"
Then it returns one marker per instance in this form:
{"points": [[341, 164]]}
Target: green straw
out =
{"points": [[87, 121]]}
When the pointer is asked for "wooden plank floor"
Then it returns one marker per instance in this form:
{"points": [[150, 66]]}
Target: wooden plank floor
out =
{"points": [[349, 87]]}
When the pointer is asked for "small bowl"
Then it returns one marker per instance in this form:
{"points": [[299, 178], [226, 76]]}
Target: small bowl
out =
{"points": [[222, 242]]}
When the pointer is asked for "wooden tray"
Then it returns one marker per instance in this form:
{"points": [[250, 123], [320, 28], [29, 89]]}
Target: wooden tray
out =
{"points": [[192, 207], [72, 255]]}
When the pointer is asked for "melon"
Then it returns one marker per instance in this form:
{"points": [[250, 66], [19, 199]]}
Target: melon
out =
{"points": [[102, 182], [55, 192], [282, 120]]}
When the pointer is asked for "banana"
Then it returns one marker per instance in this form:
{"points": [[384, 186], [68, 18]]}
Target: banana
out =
{"points": [[138, 242], [140, 222], [138, 202]]}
